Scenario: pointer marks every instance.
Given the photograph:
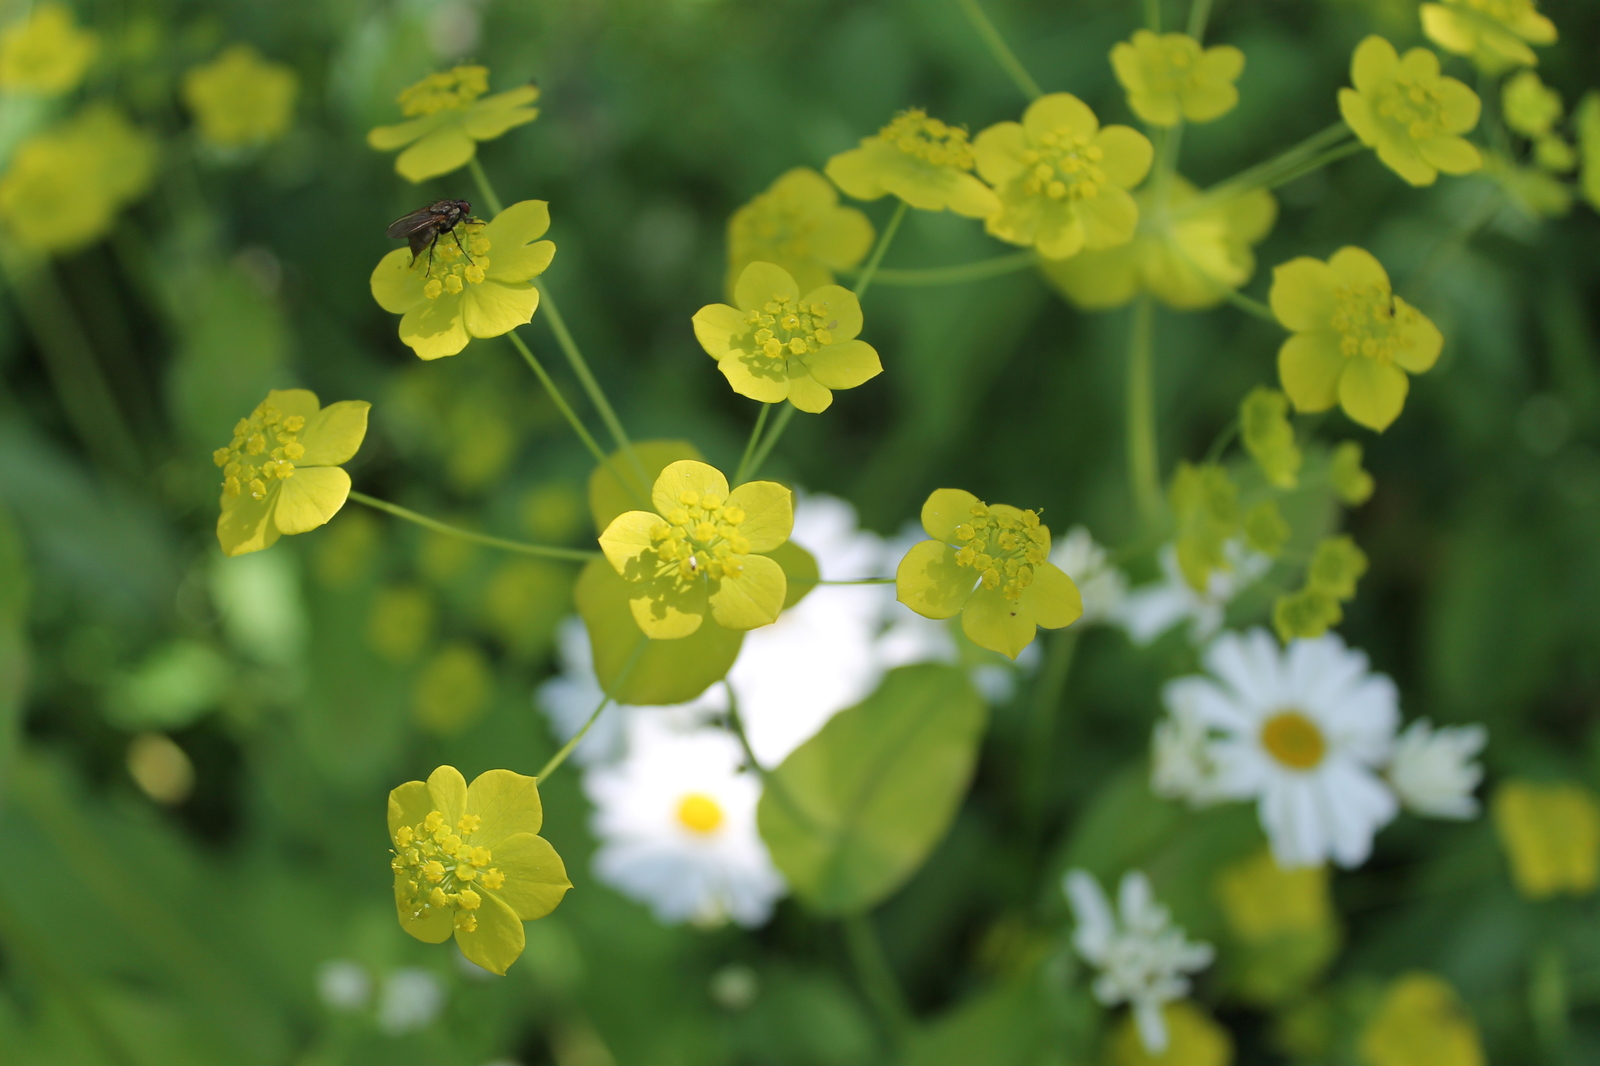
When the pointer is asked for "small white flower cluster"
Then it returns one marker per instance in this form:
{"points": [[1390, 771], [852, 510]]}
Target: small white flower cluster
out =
{"points": [[1308, 732], [408, 999]]}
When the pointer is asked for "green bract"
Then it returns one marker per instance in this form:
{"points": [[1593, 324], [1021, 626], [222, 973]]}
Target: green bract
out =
{"points": [[1268, 436], [1205, 512]]}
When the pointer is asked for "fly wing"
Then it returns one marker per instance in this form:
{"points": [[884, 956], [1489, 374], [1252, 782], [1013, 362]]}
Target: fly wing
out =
{"points": [[409, 226]]}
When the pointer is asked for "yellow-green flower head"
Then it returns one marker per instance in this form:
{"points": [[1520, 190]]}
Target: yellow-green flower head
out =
{"points": [[1190, 261], [239, 99], [1193, 1039], [479, 287], [447, 120], [1421, 1019], [469, 863], [919, 159], [65, 185], [799, 224], [702, 548], [1531, 107], [1169, 78], [46, 53], [777, 345], [1587, 119], [1551, 834], [1062, 179], [1495, 33], [281, 472], [992, 566], [1409, 112], [1354, 339]]}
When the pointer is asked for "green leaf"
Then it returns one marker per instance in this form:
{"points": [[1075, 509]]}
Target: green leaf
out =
{"points": [[1023, 1022], [614, 486], [855, 810]]}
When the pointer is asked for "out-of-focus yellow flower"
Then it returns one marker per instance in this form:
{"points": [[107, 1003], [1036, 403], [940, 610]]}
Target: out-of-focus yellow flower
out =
{"points": [[1205, 516], [240, 99], [799, 224], [1421, 1019], [1413, 115], [46, 53], [991, 565], [1169, 77], [1189, 261], [1495, 33], [1283, 924], [1062, 178], [453, 689], [1530, 189], [1264, 427], [1587, 119], [777, 345], [468, 862], [919, 159], [1551, 833], [1336, 565], [1531, 107], [1354, 339], [1193, 1039], [481, 287], [447, 120], [400, 622], [702, 549], [66, 185], [281, 472], [1352, 483]]}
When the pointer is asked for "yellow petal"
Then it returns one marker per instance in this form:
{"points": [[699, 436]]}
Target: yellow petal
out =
{"points": [[844, 310], [1357, 266], [761, 282], [1059, 111], [388, 138], [506, 803], [768, 513], [436, 924], [1356, 110], [1459, 106], [665, 609], [716, 326], [1420, 345], [308, 499], [1372, 392], [856, 173], [395, 284], [991, 621], [493, 115], [1053, 598], [302, 402], [752, 599], [448, 790], [686, 476], [968, 197], [536, 878], [408, 805], [1128, 154], [1060, 232], [1419, 65], [626, 539], [522, 223], [1453, 155], [1302, 294], [1096, 281], [800, 571], [245, 524], [498, 940], [807, 393], [1309, 365], [944, 510], [489, 308], [333, 435], [1402, 157], [1373, 64], [998, 152], [445, 149], [515, 265], [756, 378], [844, 366], [929, 581], [435, 328], [1108, 219]]}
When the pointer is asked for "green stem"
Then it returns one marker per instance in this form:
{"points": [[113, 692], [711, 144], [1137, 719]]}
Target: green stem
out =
{"points": [[1002, 53], [21, 945], [736, 724], [1144, 478], [1223, 439], [852, 581], [1316, 163], [1252, 307], [871, 268], [1152, 15], [778, 426], [545, 550], [1262, 174], [1042, 723], [1199, 15], [961, 272], [570, 746], [560, 401], [877, 977], [484, 188], [750, 445]]}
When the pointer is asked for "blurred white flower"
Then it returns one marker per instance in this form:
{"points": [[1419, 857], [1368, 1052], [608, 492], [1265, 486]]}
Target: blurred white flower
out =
{"points": [[1181, 764], [343, 984], [1303, 731], [1102, 586], [1142, 957], [1433, 772], [1150, 610], [411, 1000], [676, 820]]}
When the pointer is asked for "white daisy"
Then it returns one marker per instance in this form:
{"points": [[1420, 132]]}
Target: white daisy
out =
{"points": [[1151, 610], [1303, 731], [676, 820], [1433, 772], [1102, 586], [1141, 955]]}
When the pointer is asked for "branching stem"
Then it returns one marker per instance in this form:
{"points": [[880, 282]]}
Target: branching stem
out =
{"points": [[545, 550]]}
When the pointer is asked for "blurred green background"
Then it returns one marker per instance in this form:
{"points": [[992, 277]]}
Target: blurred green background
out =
{"points": [[196, 930]]}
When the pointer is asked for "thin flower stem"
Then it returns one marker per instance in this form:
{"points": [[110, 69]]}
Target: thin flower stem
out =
{"points": [[1251, 306], [1262, 174], [1152, 15], [1042, 722], [545, 550], [1315, 163], [852, 581], [577, 738], [1000, 50], [1144, 479], [871, 268], [1199, 15], [780, 424], [750, 445], [1223, 439], [736, 724], [484, 188], [877, 977], [961, 272]]}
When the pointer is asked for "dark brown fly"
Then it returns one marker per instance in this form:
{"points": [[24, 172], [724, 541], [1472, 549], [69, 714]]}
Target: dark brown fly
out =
{"points": [[423, 228]]}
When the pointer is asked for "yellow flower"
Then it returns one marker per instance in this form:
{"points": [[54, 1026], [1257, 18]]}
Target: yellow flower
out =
{"points": [[1495, 33], [1283, 924], [1587, 119], [240, 99], [65, 186], [1421, 1019], [702, 548], [468, 862], [1193, 1039], [281, 473], [1189, 261], [447, 120], [476, 281], [1551, 833], [46, 53], [992, 566], [919, 159], [1409, 112], [799, 224], [1062, 179], [1169, 78], [1531, 107], [453, 689], [1354, 339], [777, 345]]}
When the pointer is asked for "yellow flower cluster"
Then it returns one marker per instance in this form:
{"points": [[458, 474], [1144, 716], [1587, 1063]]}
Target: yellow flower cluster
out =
{"points": [[1495, 33], [923, 161], [1170, 78], [240, 99], [46, 53], [65, 186], [1551, 834], [798, 224], [1413, 115], [448, 119]]}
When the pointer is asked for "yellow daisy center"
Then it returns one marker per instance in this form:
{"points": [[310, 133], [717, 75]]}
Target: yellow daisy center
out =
{"points": [[1413, 106], [699, 813], [785, 326], [928, 139], [447, 91], [1003, 548], [700, 537], [1370, 320], [1294, 740], [456, 260], [442, 869], [1063, 165], [264, 448]]}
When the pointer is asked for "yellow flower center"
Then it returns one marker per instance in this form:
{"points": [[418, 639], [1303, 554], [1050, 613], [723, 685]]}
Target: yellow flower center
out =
{"points": [[700, 537], [440, 867], [450, 90], [455, 261], [1063, 165], [928, 139], [1172, 66], [1371, 321], [785, 326], [699, 813], [264, 448], [1412, 106], [1002, 548], [1294, 740]]}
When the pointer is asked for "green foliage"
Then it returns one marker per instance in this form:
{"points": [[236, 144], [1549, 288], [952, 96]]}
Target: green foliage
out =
{"points": [[1205, 508]]}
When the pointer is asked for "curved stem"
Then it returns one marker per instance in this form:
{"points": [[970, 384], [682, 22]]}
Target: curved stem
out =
{"points": [[954, 275], [490, 200], [871, 268], [852, 581], [1199, 15], [1263, 174], [1000, 50], [736, 724], [750, 445], [877, 977], [1252, 307], [781, 424], [545, 550], [1144, 479], [1152, 15], [571, 745], [560, 401]]}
